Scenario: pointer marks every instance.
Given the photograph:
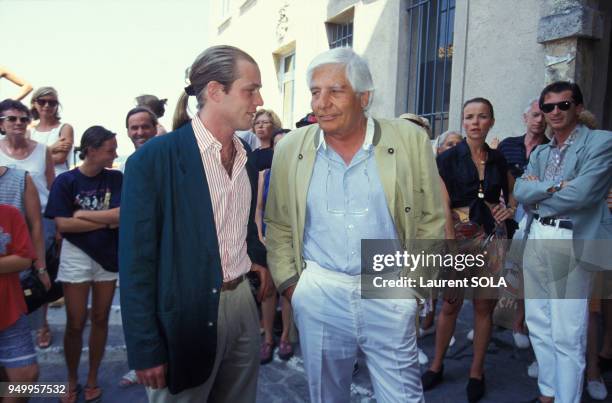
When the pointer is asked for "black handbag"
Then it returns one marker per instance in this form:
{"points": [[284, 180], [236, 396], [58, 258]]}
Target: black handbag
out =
{"points": [[33, 291]]}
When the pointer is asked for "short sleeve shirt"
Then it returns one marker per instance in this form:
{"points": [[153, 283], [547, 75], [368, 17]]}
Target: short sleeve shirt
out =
{"points": [[74, 191], [14, 240]]}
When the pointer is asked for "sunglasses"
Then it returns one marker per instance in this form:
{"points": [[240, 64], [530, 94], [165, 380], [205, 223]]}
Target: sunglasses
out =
{"points": [[13, 119], [51, 102], [563, 106]]}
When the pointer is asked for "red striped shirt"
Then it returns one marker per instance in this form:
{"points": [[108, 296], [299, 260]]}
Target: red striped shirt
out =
{"points": [[231, 200]]}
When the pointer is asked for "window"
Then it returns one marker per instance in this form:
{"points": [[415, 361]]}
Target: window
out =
{"points": [[225, 9], [340, 35], [287, 84], [430, 30]]}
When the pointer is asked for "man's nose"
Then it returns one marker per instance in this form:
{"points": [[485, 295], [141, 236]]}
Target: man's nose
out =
{"points": [[259, 99], [322, 100]]}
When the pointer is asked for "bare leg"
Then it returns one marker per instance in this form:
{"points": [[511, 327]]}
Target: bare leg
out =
{"points": [[287, 318], [75, 295], [483, 323], [23, 374], [606, 310], [102, 298], [445, 330], [592, 360], [268, 311]]}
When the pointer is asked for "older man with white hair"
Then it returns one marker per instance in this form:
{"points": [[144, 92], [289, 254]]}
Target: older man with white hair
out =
{"points": [[349, 177]]}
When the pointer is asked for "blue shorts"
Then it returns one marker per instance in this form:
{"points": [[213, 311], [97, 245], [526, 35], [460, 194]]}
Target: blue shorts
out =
{"points": [[16, 345]]}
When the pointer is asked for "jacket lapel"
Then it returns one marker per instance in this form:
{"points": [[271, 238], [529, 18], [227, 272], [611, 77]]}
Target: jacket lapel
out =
{"points": [[571, 156], [304, 168], [196, 190], [385, 155]]}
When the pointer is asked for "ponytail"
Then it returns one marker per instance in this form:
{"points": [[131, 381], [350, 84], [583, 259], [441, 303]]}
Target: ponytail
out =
{"points": [[180, 113]]}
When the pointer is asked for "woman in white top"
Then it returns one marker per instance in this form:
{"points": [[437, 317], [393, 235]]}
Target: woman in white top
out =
{"points": [[17, 151], [59, 137]]}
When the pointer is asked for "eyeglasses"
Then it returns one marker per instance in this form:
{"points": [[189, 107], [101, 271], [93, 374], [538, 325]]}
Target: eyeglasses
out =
{"points": [[51, 102], [13, 119], [262, 123], [563, 106]]}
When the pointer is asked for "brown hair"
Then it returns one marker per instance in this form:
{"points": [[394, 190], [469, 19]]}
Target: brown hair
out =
{"points": [[217, 63]]}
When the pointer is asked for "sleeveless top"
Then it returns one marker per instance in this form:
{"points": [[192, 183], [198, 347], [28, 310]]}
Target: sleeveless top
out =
{"points": [[35, 165], [49, 138], [12, 188]]}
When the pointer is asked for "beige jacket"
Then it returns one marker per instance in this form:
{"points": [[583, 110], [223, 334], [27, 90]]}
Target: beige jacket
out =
{"points": [[409, 178]]}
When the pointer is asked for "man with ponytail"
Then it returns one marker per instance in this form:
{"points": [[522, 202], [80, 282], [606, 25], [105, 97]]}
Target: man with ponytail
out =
{"points": [[188, 238]]}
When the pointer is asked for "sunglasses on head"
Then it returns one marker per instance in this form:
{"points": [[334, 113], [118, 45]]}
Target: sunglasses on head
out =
{"points": [[563, 106], [51, 102], [13, 119]]}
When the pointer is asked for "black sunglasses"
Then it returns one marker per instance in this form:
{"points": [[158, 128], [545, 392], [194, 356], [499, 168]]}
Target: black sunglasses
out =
{"points": [[563, 106], [51, 102], [13, 119]]}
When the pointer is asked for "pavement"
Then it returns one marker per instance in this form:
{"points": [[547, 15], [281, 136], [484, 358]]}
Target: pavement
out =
{"points": [[285, 381]]}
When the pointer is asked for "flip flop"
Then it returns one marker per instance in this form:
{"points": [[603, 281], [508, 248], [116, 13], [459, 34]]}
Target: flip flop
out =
{"points": [[43, 337], [128, 379], [92, 394]]}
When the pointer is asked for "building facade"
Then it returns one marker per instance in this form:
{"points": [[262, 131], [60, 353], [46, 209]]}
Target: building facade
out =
{"points": [[428, 56]]}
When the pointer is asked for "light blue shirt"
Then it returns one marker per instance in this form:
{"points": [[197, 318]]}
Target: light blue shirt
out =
{"points": [[344, 205]]}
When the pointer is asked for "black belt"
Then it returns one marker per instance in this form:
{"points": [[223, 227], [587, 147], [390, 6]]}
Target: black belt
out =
{"points": [[554, 222]]}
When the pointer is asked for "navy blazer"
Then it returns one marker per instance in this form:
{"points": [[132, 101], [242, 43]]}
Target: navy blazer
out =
{"points": [[169, 262]]}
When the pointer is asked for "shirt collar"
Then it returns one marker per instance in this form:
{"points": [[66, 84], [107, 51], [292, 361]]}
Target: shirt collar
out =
{"points": [[367, 141], [206, 140], [571, 138]]}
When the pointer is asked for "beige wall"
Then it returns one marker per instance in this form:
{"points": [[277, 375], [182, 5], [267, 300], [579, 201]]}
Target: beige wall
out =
{"points": [[254, 29], [497, 57]]}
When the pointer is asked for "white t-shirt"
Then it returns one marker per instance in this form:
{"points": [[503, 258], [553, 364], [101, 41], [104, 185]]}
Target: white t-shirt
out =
{"points": [[35, 164], [49, 138]]}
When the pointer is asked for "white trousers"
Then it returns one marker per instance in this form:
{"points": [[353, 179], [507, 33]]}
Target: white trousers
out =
{"points": [[557, 324], [334, 322]]}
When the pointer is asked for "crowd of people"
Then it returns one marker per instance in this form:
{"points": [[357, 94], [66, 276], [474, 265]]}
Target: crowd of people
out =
{"points": [[216, 226]]}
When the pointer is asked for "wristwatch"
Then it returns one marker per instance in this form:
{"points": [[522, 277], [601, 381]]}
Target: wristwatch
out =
{"points": [[41, 270], [558, 186]]}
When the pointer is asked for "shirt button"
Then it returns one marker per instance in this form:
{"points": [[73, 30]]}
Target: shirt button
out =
{"points": [[300, 156], [390, 150], [350, 226], [210, 324], [407, 209], [214, 290]]}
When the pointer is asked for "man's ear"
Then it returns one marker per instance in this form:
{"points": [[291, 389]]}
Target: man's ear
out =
{"points": [[213, 90], [364, 99]]}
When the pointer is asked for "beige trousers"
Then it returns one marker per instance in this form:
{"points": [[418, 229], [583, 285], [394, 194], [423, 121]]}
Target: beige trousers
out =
{"points": [[234, 373]]}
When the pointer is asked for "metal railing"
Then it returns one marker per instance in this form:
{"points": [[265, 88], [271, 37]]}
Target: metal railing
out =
{"points": [[430, 30]]}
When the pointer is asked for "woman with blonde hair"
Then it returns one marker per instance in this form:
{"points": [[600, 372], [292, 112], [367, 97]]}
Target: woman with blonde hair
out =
{"points": [[50, 131]]}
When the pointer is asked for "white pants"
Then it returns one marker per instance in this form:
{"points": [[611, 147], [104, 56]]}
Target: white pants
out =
{"points": [[334, 322], [557, 324]]}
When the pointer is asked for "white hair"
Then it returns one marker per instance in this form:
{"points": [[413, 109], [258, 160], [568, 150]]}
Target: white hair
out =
{"points": [[531, 101], [442, 138], [356, 68]]}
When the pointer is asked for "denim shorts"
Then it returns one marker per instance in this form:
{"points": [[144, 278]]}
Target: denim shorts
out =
{"points": [[16, 345]]}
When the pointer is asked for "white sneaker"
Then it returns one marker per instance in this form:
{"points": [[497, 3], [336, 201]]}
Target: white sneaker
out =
{"points": [[521, 340], [597, 389], [452, 341], [470, 335], [423, 357], [533, 369]]}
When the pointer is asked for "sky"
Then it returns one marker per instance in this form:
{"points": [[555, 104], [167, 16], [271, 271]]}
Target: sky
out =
{"points": [[101, 54]]}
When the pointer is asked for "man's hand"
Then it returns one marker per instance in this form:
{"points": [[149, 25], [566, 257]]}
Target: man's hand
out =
{"points": [[155, 377], [265, 281], [289, 292], [501, 213]]}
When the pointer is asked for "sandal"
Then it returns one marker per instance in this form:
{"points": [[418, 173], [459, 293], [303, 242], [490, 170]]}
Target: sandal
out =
{"points": [[265, 353], [93, 394], [128, 379], [43, 337], [72, 396]]}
